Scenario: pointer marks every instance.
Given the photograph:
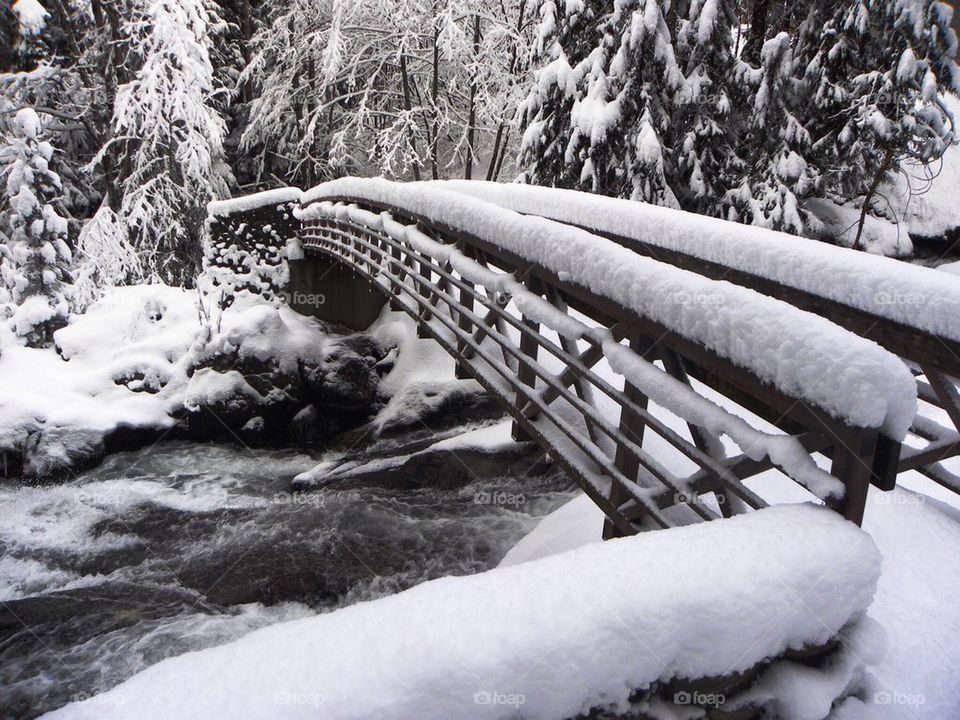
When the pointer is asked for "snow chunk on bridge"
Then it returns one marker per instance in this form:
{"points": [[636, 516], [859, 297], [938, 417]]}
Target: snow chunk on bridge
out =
{"points": [[559, 635], [803, 355], [246, 203]]}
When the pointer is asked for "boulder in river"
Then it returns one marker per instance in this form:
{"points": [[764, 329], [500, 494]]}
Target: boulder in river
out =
{"points": [[55, 453]]}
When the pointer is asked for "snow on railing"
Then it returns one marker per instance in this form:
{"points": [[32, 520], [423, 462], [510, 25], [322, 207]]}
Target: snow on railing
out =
{"points": [[915, 296], [805, 356], [663, 389]]}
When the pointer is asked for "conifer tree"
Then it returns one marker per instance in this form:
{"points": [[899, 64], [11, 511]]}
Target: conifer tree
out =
{"points": [[167, 122], [35, 271], [708, 123]]}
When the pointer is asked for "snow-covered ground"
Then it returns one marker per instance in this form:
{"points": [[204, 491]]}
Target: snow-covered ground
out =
{"points": [[927, 201], [125, 361], [916, 528]]}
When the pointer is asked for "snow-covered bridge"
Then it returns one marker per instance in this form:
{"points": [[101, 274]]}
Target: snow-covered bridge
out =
{"points": [[613, 335]]}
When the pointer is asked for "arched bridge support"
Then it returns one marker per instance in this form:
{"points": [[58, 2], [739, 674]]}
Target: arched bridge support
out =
{"points": [[326, 289]]}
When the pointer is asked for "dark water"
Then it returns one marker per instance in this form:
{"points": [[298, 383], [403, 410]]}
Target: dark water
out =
{"points": [[188, 546]]}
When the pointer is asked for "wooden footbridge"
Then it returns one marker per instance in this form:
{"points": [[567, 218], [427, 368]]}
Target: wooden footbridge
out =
{"points": [[662, 382]]}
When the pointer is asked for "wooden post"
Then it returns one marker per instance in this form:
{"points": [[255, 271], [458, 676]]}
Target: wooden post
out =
{"points": [[853, 465], [529, 347], [466, 301], [625, 461]]}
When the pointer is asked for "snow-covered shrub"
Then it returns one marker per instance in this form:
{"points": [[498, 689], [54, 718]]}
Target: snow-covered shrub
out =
{"points": [[105, 259], [36, 271]]}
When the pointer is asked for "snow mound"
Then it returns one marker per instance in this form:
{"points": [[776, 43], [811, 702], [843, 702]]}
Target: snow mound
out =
{"points": [[552, 638], [909, 294], [112, 363], [802, 354]]}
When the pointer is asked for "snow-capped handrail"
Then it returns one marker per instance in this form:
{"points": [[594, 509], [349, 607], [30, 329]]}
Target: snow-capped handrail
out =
{"points": [[912, 311], [246, 203], [806, 357]]}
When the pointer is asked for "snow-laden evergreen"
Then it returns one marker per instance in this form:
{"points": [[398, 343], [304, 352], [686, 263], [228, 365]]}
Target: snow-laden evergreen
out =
{"points": [[640, 100], [35, 271], [172, 135], [709, 162], [105, 258]]}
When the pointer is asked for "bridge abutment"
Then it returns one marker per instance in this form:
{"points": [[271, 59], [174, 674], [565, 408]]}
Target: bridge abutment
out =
{"points": [[325, 289]]}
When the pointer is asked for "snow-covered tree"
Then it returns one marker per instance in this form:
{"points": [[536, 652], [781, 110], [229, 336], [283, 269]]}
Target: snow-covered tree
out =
{"points": [[602, 107], [779, 176], [35, 272], [167, 123], [709, 125], [104, 258], [410, 90]]}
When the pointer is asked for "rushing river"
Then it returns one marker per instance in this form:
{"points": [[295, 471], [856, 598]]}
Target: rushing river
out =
{"points": [[185, 546]]}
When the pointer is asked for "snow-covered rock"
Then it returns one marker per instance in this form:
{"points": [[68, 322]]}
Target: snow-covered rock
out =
{"points": [[140, 364], [57, 452], [548, 640]]}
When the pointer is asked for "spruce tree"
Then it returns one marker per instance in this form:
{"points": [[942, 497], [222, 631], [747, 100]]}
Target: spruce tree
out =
{"points": [[599, 118], [37, 268], [566, 48], [707, 122], [779, 176]]}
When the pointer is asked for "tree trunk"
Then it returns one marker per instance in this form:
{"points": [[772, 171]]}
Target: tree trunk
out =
{"points": [[472, 115], [868, 198], [758, 32], [405, 79], [434, 95]]}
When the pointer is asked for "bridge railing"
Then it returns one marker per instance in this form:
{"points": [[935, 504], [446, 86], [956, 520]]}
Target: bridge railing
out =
{"points": [[911, 311], [535, 336]]}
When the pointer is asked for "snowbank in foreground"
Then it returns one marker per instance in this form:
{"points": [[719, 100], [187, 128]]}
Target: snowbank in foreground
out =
{"points": [[558, 636], [918, 534]]}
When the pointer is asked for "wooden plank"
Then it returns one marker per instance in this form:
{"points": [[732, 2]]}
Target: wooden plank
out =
{"points": [[946, 390]]}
